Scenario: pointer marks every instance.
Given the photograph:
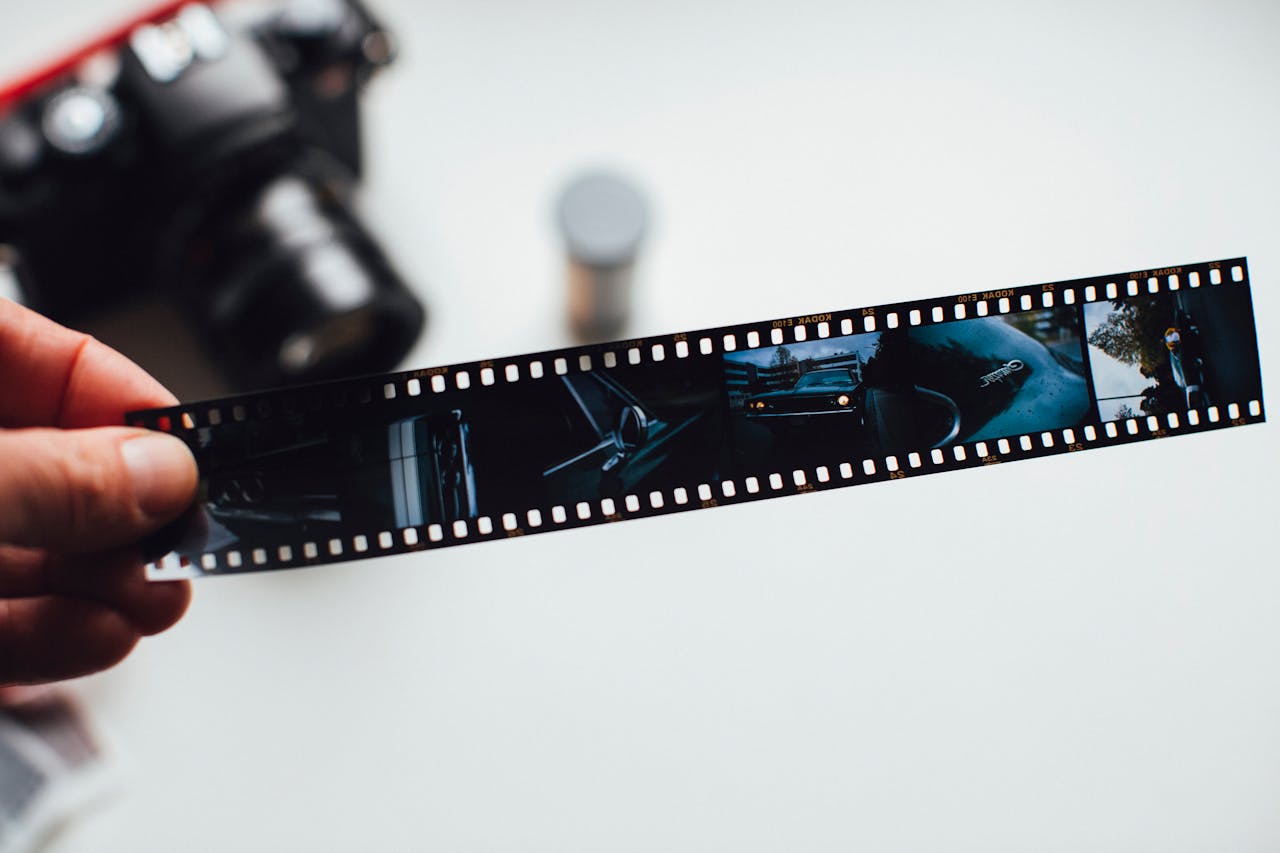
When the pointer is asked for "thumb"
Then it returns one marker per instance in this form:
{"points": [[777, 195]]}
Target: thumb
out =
{"points": [[73, 491]]}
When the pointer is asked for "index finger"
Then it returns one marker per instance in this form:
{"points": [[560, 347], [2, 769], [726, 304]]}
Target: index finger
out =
{"points": [[53, 376]]}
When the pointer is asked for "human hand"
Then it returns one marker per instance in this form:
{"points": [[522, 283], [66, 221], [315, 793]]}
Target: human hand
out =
{"points": [[77, 496]]}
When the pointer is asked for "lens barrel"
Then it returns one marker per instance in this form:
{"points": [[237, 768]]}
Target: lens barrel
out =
{"points": [[288, 287]]}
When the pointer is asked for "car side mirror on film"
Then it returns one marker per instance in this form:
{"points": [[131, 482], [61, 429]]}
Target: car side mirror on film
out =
{"points": [[632, 432], [633, 428]]}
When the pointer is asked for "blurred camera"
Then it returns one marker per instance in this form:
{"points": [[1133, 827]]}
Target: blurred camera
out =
{"points": [[212, 156]]}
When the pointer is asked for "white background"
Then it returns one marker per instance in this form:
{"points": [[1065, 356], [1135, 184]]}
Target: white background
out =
{"points": [[1067, 654]]}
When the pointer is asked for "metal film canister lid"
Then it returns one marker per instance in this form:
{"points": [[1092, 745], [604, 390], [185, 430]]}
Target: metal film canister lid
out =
{"points": [[603, 219]]}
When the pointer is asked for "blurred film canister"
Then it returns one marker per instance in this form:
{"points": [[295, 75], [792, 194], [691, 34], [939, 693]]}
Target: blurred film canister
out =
{"points": [[603, 219]]}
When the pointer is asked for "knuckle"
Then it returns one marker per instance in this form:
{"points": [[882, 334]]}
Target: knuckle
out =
{"points": [[37, 496], [65, 490], [89, 491]]}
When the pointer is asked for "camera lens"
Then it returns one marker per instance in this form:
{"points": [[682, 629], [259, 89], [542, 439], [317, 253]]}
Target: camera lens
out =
{"points": [[290, 288]]}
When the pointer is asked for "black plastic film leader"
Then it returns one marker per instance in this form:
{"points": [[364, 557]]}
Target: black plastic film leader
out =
{"points": [[560, 439]]}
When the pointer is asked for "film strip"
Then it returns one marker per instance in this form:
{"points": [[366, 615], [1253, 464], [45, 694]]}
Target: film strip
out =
{"points": [[560, 439]]}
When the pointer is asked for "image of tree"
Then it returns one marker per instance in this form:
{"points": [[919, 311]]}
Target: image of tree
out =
{"points": [[890, 365], [1134, 332], [1151, 400], [785, 366], [1118, 337], [1125, 412]]}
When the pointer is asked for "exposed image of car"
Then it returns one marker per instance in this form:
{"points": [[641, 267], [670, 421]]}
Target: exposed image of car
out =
{"points": [[412, 471], [1186, 359], [587, 435], [627, 440], [833, 393], [1000, 380]]}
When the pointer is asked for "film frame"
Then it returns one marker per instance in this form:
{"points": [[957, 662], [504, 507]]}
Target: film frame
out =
{"points": [[1159, 297]]}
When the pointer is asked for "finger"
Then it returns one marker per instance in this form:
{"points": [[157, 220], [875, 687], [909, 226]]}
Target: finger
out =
{"points": [[53, 376], [116, 579], [77, 491], [119, 581], [23, 572], [12, 697], [50, 639]]}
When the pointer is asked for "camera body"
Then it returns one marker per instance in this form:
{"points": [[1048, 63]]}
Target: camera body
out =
{"points": [[213, 159]]}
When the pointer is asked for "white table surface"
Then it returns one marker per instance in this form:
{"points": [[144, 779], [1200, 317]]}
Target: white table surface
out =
{"points": [[1070, 654]]}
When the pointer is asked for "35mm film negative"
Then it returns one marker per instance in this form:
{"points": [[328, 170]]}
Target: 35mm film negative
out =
{"points": [[470, 452]]}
